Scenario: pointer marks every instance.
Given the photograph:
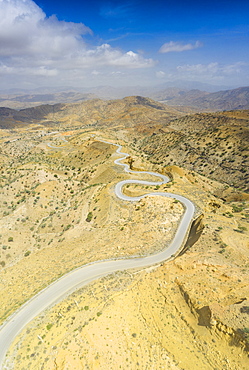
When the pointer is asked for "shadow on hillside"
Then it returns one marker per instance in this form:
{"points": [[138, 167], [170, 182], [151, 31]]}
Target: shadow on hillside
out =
{"points": [[194, 234]]}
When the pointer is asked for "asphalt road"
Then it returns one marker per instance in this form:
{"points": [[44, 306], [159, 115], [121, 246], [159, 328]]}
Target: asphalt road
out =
{"points": [[67, 284]]}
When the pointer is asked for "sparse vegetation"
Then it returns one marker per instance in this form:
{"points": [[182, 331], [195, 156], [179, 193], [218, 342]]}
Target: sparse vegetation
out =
{"points": [[89, 217], [46, 193], [26, 254], [49, 326]]}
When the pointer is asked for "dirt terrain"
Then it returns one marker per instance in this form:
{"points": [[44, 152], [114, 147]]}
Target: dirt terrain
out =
{"points": [[59, 211]]}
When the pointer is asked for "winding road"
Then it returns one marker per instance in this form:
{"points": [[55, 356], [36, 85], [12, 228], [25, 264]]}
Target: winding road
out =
{"points": [[79, 277]]}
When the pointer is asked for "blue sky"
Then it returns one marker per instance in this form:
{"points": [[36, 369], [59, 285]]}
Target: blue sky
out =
{"points": [[118, 43]]}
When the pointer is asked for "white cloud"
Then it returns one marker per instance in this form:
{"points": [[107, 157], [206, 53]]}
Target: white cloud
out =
{"points": [[211, 68], [33, 44], [117, 73], [178, 47], [210, 72], [129, 60], [160, 74], [42, 71], [235, 68], [95, 73], [5, 69], [25, 31]]}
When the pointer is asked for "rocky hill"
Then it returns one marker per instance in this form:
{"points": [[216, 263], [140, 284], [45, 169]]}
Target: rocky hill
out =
{"points": [[10, 118], [128, 112], [212, 144], [135, 111]]}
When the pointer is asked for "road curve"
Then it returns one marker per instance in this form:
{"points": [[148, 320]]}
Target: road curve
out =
{"points": [[79, 277]]}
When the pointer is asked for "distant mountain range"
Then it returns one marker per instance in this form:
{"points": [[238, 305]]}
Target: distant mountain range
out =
{"points": [[198, 100], [27, 100], [221, 100]]}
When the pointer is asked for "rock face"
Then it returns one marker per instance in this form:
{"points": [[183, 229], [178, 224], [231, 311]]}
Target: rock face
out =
{"points": [[224, 320]]}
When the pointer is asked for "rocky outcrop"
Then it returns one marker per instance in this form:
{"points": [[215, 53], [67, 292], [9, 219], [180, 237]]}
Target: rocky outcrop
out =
{"points": [[208, 316]]}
